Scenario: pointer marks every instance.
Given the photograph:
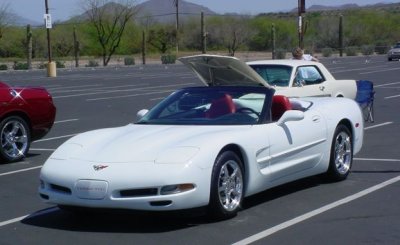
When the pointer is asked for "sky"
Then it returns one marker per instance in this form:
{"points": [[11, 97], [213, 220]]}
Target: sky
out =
{"points": [[63, 9]]}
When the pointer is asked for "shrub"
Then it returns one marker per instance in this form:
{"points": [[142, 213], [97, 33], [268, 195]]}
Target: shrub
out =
{"points": [[20, 66], [60, 64], [381, 47], [351, 51], [168, 59], [280, 53], [42, 66], [128, 61], [367, 49], [3, 67], [92, 63], [327, 52]]}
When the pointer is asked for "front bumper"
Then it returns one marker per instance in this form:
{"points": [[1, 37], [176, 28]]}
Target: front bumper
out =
{"points": [[394, 56], [138, 186]]}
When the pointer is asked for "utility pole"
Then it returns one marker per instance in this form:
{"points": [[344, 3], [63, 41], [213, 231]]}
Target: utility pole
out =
{"points": [[177, 26], [51, 67], [48, 31], [341, 42], [76, 48], [203, 35], [273, 40], [29, 46], [301, 11]]}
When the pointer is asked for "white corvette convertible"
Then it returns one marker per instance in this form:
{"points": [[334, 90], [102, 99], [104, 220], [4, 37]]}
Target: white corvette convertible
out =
{"points": [[205, 146]]}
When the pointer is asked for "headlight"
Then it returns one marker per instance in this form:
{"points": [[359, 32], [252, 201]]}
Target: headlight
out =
{"points": [[177, 155]]}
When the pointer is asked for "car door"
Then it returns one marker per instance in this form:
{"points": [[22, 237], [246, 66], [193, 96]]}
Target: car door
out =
{"points": [[309, 81], [296, 146]]}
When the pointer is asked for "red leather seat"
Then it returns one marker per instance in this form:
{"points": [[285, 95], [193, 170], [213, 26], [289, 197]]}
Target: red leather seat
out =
{"points": [[280, 104], [221, 106]]}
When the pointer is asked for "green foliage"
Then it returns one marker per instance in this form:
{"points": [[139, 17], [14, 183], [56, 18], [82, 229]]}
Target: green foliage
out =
{"points": [[162, 38], [92, 63], [128, 61], [280, 53], [42, 66], [327, 52], [168, 59], [381, 47], [367, 49], [20, 66], [351, 51], [3, 67], [361, 28], [60, 64]]}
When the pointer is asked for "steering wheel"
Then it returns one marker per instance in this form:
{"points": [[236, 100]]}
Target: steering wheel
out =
{"points": [[248, 110]]}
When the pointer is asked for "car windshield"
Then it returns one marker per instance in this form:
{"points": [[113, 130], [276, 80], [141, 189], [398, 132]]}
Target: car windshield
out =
{"points": [[275, 75], [212, 106]]}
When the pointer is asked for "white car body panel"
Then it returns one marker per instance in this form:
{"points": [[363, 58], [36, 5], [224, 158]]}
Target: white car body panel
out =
{"points": [[95, 166]]}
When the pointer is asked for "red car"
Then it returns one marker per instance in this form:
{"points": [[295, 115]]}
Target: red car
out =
{"points": [[26, 114]]}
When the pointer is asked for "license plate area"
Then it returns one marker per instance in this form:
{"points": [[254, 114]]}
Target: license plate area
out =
{"points": [[91, 189]]}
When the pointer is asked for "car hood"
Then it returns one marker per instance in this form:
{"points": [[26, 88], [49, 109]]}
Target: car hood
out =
{"points": [[139, 143], [215, 70]]}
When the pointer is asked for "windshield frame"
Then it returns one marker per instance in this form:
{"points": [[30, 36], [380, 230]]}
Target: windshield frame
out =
{"points": [[153, 114]]}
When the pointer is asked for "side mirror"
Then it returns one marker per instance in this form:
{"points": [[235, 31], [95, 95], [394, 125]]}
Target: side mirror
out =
{"points": [[292, 115], [140, 114]]}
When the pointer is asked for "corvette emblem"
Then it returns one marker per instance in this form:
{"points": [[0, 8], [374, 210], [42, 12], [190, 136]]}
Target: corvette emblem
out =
{"points": [[99, 167]]}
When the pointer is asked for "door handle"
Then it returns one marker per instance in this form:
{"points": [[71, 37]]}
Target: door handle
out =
{"points": [[322, 88]]}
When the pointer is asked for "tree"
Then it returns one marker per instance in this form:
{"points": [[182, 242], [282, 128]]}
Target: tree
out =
{"points": [[109, 19], [232, 32], [5, 18], [162, 38]]}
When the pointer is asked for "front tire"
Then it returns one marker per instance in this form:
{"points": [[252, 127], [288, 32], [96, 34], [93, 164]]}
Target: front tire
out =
{"points": [[341, 158], [14, 139], [226, 194]]}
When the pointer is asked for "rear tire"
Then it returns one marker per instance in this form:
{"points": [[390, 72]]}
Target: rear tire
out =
{"points": [[341, 158], [226, 193]]}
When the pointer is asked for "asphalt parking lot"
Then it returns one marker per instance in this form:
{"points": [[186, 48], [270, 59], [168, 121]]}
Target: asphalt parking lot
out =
{"points": [[364, 209]]}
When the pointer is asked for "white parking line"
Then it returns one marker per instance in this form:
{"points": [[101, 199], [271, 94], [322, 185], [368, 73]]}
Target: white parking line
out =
{"points": [[41, 149], [391, 97], [46, 211], [68, 120], [19, 171], [378, 125], [306, 216], [386, 84], [122, 90], [379, 70], [7, 222], [131, 95], [377, 159], [54, 138]]}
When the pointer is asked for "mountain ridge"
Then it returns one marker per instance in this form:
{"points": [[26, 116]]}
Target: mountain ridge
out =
{"points": [[164, 11]]}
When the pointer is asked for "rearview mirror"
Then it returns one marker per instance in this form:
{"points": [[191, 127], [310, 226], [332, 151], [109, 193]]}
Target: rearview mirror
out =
{"points": [[292, 115], [140, 114]]}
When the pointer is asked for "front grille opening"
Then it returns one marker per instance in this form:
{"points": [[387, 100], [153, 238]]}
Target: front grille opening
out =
{"points": [[161, 203], [60, 188], [139, 192]]}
